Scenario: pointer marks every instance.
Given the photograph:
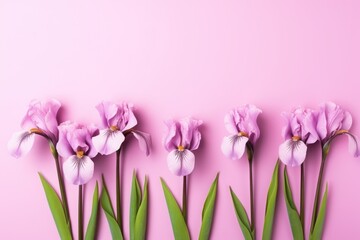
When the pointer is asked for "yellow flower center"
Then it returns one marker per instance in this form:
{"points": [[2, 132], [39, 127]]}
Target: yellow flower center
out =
{"points": [[36, 130], [181, 148], [80, 154], [114, 128], [296, 138], [243, 134], [342, 131]]}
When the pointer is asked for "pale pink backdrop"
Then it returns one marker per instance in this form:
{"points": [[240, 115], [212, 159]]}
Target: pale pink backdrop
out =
{"points": [[174, 59]]}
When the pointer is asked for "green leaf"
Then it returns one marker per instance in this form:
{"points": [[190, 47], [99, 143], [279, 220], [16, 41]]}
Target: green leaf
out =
{"points": [[179, 227], [109, 213], [271, 204], [135, 199], [91, 228], [242, 217], [57, 209], [294, 217], [141, 217], [319, 224], [208, 211]]}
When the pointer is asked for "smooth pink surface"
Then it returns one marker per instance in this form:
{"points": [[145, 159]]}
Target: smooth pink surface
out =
{"points": [[174, 59]]}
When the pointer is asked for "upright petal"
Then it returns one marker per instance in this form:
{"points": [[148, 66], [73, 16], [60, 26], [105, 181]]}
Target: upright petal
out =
{"points": [[131, 121], [190, 133], [234, 146], [173, 137], [78, 171], [353, 145], [181, 163], [144, 141], [106, 111], [321, 126], [108, 141], [20, 143], [230, 123], [292, 153]]}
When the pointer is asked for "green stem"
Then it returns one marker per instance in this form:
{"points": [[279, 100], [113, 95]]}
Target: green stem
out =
{"points": [[184, 205], [302, 197], [252, 216], [80, 214], [61, 183], [118, 189], [318, 187]]}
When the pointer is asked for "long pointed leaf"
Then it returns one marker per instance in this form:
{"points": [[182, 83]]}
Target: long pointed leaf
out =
{"points": [[109, 213], [141, 217], [319, 224], [208, 210], [57, 209], [91, 228], [294, 217], [179, 227], [271, 204], [135, 199], [242, 217]]}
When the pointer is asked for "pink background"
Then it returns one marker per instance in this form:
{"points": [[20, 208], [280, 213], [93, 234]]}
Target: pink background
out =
{"points": [[174, 59]]}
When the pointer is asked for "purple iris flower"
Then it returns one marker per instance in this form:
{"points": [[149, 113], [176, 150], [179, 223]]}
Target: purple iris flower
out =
{"points": [[76, 147], [116, 122], [39, 119], [242, 125], [332, 121], [182, 138], [299, 131]]}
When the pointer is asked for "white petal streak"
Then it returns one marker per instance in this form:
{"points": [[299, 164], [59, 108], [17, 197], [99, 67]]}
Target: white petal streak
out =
{"points": [[181, 163], [108, 141], [292, 153], [20, 143], [234, 146], [78, 171]]}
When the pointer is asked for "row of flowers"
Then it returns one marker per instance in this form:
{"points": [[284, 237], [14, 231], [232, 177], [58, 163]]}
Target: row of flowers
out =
{"points": [[78, 144]]}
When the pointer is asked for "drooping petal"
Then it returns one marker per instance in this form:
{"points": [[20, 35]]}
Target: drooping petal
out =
{"points": [[78, 171], [353, 145], [144, 141], [181, 163], [20, 143], [234, 146], [108, 141], [292, 153]]}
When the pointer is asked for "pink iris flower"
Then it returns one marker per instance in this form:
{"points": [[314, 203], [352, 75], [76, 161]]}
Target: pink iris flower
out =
{"points": [[116, 122], [76, 147], [182, 138], [299, 131], [333, 120], [242, 125], [39, 119]]}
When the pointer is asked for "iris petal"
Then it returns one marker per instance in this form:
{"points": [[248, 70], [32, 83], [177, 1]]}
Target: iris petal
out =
{"points": [[353, 145], [144, 141], [234, 146], [181, 163], [292, 153], [108, 141], [78, 171], [20, 143]]}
